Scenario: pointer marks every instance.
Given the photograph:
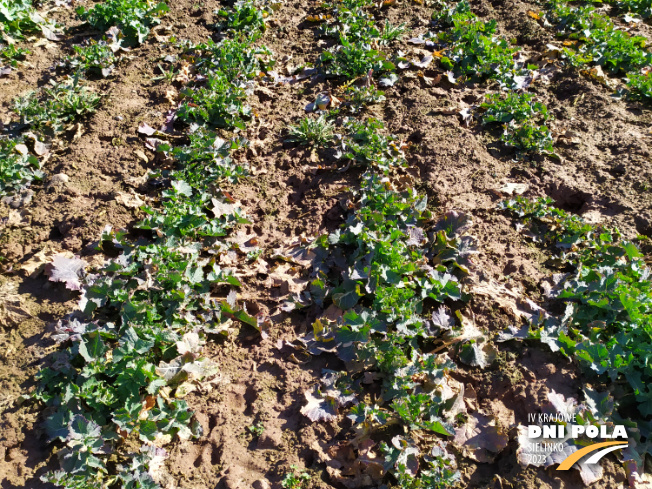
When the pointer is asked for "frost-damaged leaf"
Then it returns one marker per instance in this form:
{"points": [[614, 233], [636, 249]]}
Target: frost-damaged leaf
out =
{"points": [[184, 368], [231, 298], [442, 319], [12, 311], [319, 408], [131, 200], [287, 278], [454, 223], [480, 438], [223, 209], [513, 333], [478, 353], [467, 115], [389, 80], [79, 428], [425, 61], [241, 240], [348, 469], [560, 405], [511, 188], [190, 343], [601, 404], [295, 252], [406, 454], [416, 236], [66, 270], [507, 299]]}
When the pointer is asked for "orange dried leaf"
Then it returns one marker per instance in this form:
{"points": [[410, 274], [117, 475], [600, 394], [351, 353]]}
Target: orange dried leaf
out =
{"points": [[150, 402]]}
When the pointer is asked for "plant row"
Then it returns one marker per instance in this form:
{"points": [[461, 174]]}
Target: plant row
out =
{"points": [[472, 51], [352, 24], [134, 351], [49, 111], [391, 271], [606, 296], [593, 39]]}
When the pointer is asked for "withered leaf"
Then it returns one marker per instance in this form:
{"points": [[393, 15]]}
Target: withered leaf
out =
{"points": [[318, 408], [66, 270]]}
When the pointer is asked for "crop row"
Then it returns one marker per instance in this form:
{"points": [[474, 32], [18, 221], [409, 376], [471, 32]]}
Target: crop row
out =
{"points": [[392, 269], [471, 51], [593, 39], [606, 295], [135, 352], [48, 112]]}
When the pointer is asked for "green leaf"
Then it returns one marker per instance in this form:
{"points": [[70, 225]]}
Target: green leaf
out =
{"points": [[347, 300], [92, 348]]}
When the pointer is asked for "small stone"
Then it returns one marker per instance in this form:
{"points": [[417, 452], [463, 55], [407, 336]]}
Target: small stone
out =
{"points": [[261, 484], [59, 179]]}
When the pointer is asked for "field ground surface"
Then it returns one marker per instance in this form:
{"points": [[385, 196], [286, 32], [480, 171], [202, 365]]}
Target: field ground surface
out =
{"points": [[101, 170]]}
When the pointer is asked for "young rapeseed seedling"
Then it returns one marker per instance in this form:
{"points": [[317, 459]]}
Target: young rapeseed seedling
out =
{"points": [[358, 37], [293, 480], [366, 145], [133, 17], [472, 48], [229, 67], [351, 59], [314, 132], [358, 97], [96, 58], [247, 16], [219, 103], [13, 54], [521, 117], [17, 168], [54, 106], [640, 85]]}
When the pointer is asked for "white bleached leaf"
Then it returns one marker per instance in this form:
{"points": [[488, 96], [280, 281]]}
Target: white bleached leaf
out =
{"points": [[66, 270], [318, 408]]}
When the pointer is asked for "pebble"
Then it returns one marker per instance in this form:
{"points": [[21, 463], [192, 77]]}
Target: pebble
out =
{"points": [[59, 179]]}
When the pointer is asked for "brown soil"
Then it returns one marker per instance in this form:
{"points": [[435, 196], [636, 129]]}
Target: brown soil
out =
{"points": [[605, 177]]}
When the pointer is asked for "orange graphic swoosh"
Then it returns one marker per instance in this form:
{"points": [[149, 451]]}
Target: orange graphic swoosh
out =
{"points": [[571, 459]]}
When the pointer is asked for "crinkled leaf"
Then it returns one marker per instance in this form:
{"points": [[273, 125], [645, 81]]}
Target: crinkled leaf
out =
{"points": [[66, 270]]}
